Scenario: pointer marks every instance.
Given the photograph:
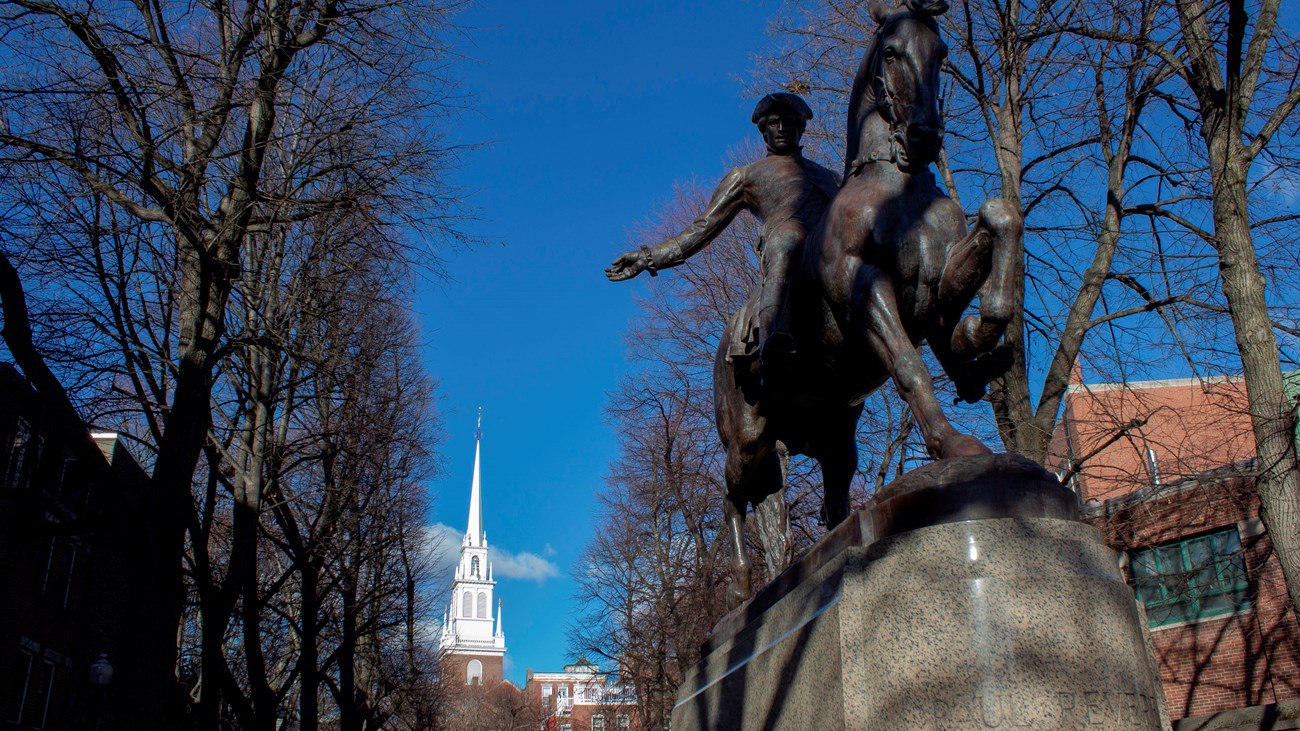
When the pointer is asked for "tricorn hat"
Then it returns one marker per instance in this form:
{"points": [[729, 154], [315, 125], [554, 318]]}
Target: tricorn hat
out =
{"points": [[927, 7], [781, 100]]}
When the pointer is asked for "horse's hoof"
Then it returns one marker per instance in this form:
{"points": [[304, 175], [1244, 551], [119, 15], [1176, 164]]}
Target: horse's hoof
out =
{"points": [[963, 445], [736, 595]]}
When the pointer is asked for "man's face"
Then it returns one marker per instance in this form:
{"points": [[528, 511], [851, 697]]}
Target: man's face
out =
{"points": [[780, 131]]}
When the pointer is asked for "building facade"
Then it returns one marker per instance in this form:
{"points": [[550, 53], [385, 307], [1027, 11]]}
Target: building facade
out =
{"points": [[472, 641], [581, 699], [62, 604], [1166, 470]]}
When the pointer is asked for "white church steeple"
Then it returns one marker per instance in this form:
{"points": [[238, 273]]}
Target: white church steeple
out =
{"points": [[469, 632], [474, 532]]}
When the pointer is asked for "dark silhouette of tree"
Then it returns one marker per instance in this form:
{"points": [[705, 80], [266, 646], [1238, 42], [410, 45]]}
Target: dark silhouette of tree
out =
{"points": [[203, 182]]}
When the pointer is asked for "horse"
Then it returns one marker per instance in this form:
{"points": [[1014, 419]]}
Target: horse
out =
{"points": [[890, 264]]}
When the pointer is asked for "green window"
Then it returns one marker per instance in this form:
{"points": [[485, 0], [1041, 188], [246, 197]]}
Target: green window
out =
{"points": [[1195, 578]]}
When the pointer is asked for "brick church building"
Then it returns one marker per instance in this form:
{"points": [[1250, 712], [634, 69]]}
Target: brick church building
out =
{"points": [[1166, 470], [472, 642], [472, 646]]}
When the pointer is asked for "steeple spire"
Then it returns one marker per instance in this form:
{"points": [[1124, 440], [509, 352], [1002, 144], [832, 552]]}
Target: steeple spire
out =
{"points": [[471, 633], [474, 533]]}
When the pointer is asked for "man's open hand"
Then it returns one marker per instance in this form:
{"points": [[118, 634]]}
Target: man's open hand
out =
{"points": [[627, 266]]}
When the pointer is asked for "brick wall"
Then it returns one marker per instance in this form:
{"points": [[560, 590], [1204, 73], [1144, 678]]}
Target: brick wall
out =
{"points": [[453, 669], [1245, 659]]}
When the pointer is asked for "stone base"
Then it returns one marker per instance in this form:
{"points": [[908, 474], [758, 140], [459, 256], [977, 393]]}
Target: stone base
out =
{"points": [[967, 596]]}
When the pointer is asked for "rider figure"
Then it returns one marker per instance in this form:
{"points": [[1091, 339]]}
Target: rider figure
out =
{"points": [[787, 192]]}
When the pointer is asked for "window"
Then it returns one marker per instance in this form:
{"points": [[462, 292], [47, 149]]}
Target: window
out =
{"points": [[482, 605], [71, 484], [467, 605], [34, 681], [474, 673], [597, 723], [59, 565], [1192, 579], [15, 475], [624, 723], [473, 567]]}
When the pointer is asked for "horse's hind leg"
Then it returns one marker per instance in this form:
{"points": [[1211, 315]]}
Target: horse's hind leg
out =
{"points": [[836, 451], [753, 473], [874, 299], [734, 507]]}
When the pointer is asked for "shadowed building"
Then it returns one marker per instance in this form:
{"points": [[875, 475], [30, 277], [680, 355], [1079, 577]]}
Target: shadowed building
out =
{"points": [[62, 566], [1166, 470]]}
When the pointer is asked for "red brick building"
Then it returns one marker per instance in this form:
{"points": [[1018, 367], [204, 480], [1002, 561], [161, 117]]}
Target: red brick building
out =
{"points": [[1164, 468], [581, 699]]}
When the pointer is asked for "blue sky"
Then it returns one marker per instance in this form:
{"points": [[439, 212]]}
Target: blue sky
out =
{"points": [[593, 110]]}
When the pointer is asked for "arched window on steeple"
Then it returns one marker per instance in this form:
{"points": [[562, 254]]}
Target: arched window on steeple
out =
{"points": [[473, 567], [467, 605], [482, 605], [474, 673]]}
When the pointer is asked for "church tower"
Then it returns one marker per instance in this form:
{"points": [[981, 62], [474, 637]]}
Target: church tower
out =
{"points": [[472, 642]]}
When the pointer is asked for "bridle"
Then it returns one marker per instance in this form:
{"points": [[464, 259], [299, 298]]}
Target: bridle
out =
{"points": [[882, 94]]}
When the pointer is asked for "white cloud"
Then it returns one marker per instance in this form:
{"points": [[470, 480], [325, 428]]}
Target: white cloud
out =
{"points": [[505, 564], [524, 565], [444, 541]]}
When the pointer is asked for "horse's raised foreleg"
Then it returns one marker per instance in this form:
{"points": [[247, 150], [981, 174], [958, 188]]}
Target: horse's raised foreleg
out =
{"points": [[875, 304], [986, 261]]}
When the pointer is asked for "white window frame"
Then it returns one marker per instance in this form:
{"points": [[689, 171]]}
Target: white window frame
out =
{"points": [[19, 445], [21, 711]]}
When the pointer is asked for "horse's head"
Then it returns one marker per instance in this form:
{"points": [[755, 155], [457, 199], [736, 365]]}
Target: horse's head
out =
{"points": [[904, 61]]}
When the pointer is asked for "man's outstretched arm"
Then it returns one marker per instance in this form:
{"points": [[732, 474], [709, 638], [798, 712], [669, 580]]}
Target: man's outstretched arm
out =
{"points": [[728, 200]]}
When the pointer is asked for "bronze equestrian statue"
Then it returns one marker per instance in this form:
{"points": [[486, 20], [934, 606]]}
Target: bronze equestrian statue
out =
{"points": [[888, 265]]}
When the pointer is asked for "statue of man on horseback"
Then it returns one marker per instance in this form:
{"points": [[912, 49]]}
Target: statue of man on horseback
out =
{"points": [[785, 190], [888, 264]]}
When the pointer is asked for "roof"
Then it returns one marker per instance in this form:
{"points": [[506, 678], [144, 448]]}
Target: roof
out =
{"points": [[1120, 437]]}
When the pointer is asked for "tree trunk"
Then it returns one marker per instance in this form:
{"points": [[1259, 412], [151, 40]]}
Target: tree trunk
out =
{"points": [[308, 660], [1272, 415], [1224, 103]]}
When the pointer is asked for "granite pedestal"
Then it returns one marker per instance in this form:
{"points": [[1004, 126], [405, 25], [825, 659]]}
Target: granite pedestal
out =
{"points": [[967, 596]]}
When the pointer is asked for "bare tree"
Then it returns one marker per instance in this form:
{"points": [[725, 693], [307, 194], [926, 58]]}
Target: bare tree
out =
{"points": [[1244, 74], [155, 156]]}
